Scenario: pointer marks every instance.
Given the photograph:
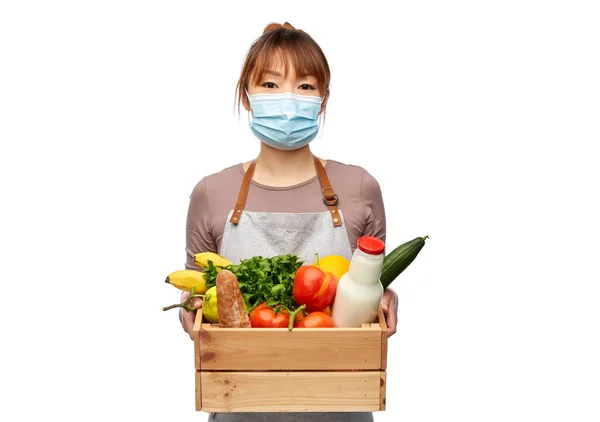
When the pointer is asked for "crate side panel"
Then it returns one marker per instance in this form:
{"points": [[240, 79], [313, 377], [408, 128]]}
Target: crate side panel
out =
{"points": [[358, 391], [256, 349]]}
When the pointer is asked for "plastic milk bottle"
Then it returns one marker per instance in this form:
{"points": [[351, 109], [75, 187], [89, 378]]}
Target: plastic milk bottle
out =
{"points": [[359, 291]]}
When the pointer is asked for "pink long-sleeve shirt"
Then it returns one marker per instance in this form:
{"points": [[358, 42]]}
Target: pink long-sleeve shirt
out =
{"points": [[213, 197]]}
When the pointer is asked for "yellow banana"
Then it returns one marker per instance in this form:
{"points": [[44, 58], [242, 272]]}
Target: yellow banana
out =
{"points": [[202, 260], [186, 279]]}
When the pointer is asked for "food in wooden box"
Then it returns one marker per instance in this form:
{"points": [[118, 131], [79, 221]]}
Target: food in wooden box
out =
{"points": [[230, 303]]}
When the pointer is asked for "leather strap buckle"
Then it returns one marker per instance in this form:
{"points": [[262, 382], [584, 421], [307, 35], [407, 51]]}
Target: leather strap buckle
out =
{"points": [[330, 202]]}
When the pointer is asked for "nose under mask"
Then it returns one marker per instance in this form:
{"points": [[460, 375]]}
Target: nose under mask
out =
{"points": [[285, 121]]}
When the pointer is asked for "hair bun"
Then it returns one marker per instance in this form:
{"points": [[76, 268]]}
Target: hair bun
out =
{"points": [[275, 26]]}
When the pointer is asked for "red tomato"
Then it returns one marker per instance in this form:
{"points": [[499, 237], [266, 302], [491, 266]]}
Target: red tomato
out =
{"points": [[264, 317], [314, 288], [316, 320]]}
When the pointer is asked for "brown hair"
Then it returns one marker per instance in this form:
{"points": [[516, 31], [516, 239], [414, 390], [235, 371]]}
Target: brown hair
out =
{"points": [[290, 46]]}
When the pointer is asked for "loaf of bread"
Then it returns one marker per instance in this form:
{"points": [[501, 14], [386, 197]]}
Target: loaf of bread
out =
{"points": [[230, 303]]}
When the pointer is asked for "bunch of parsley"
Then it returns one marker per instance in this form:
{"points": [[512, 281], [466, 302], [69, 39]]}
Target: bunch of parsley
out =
{"points": [[261, 279]]}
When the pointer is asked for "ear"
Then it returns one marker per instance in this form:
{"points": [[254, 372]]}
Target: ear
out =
{"points": [[246, 101], [324, 103]]}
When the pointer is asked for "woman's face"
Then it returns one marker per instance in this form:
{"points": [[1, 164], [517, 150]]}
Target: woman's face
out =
{"points": [[274, 82]]}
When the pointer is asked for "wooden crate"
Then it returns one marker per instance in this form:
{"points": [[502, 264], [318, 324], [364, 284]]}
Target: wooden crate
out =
{"points": [[303, 370]]}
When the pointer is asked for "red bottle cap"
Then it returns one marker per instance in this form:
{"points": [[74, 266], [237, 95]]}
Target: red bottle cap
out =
{"points": [[371, 245]]}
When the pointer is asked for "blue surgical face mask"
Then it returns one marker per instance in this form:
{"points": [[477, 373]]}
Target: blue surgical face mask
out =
{"points": [[285, 121]]}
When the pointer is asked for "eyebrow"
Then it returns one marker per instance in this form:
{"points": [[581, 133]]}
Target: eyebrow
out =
{"points": [[274, 73]]}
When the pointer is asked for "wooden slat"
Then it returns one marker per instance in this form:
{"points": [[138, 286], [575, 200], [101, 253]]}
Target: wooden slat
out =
{"points": [[280, 349], [215, 328], [382, 390], [199, 321], [291, 391], [384, 338], [198, 391], [196, 336]]}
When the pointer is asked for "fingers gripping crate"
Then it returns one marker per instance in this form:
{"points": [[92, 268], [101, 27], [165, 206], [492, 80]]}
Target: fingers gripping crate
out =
{"points": [[303, 370]]}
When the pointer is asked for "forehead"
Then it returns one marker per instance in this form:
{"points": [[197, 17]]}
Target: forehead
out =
{"points": [[284, 64]]}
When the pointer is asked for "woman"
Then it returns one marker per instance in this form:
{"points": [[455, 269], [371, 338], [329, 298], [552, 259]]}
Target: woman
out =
{"points": [[286, 200]]}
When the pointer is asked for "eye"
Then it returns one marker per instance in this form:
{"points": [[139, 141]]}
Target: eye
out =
{"points": [[269, 85], [306, 87]]}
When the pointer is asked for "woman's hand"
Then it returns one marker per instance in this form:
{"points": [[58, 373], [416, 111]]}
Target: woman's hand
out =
{"points": [[188, 318], [389, 303]]}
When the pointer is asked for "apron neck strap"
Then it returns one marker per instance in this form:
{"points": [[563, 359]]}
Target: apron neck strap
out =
{"points": [[243, 195], [329, 197]]}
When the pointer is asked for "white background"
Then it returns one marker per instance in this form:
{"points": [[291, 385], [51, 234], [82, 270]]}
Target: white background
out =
{"points": [[478, 119]]}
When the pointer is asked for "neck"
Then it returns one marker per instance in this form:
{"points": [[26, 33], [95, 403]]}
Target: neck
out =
{"points": [[284, 168]]}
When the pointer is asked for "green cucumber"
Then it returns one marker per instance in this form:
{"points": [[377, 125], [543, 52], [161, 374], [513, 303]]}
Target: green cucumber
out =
{"points": [[396, 261]]}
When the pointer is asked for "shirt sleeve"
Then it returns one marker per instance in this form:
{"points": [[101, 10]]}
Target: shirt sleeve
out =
{"points": [[198, 231], [375, 224]]}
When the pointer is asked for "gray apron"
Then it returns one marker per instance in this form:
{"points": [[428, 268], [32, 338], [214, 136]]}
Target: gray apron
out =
{"points": [[249, 234]]}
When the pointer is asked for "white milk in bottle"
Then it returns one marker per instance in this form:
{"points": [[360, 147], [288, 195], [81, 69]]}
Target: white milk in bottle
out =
{"points": [[359, 291]]}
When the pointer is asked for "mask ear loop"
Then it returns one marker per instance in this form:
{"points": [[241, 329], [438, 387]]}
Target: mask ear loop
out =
{"points": [[321, 119], [249, 116]]}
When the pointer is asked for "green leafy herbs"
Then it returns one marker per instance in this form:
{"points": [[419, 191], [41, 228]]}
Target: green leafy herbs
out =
{"points": [[261, 279]]}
